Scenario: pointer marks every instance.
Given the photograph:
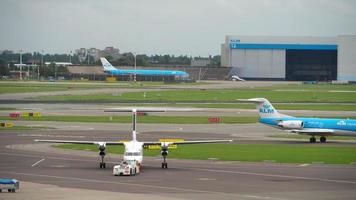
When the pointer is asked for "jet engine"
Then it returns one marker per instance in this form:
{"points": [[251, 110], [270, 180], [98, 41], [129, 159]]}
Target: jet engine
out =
{"points": [[291, 124]]}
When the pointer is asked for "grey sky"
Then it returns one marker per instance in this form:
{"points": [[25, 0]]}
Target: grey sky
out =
{"points": [[192, 27]]}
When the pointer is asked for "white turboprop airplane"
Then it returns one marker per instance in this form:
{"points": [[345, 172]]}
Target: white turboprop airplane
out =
{"points": [[134, 148]]}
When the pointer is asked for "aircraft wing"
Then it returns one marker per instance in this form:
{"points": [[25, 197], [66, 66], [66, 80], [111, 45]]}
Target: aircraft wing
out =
{"points": [[122, 143], [253, 100], [150, 109], [313, 131], [81, 142], [187, 142]]}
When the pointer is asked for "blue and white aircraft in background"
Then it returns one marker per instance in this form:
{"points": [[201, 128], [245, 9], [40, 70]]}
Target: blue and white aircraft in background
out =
{"points": [[302, 125], [108, 68]]}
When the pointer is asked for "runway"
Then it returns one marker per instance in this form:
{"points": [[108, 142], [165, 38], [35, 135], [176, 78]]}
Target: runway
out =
{"points": [[184, 179]]}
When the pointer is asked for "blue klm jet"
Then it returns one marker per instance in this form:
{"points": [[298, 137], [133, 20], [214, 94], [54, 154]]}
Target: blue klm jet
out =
{"points": [[306, 126], [108, 68]]}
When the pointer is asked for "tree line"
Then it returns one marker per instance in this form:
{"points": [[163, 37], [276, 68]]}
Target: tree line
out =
{"points": [[7, 61]]}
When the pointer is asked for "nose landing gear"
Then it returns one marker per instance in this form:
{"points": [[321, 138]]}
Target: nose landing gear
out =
{"points": [[164, 163], [102, 155], [164, 153], [322, 139], [312, 139]]}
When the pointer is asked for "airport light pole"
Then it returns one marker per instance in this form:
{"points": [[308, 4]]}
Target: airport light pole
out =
{"points": [[70, 57], [135, 67], [28, 72], [20, 64], [55, 71], [42, 61], [88, 56], [38, 72]]}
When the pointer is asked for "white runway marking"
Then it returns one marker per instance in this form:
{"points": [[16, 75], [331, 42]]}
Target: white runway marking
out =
{"points": [[206, 179], [304, 165], [36, 163]]}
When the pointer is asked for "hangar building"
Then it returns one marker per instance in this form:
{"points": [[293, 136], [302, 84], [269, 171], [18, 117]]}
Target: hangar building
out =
{"points": [[291, 58]]}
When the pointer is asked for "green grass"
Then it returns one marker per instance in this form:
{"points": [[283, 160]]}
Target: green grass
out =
{"points": [[24, 128], [289, 93], [289, 106], [141, 119], [4, 108], [314, 87], [21, 87], [294, 153]]}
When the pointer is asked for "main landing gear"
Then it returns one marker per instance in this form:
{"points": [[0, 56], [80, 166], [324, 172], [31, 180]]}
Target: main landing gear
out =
{"points": [[313, 139], [322, 139]]}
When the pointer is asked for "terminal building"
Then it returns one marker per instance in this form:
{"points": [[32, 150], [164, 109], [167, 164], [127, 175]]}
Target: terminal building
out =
{"points": [[291, 58]]}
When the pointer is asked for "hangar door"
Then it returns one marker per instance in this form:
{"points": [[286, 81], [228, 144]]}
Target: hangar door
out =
{"points": [[311, 65]]}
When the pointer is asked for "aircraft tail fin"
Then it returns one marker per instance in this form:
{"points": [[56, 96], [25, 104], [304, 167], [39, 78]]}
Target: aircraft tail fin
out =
{"points": [[106, 64], [264, 108]]}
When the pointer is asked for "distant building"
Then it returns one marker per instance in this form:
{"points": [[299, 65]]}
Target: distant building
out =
{"points": [[59, 63], [291, 58], [19, 74], [82, 54], [6, 52], [200, 62], [94, 53], [97, 53], [110, 51]]}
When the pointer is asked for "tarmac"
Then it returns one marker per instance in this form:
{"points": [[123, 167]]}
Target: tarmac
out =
{"points": [[52, 173], [45, 172]]}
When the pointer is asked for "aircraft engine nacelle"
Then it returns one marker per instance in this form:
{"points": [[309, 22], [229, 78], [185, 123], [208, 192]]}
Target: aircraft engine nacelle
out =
{"points": [[164, 151], [291, 124], [102, 148]]}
